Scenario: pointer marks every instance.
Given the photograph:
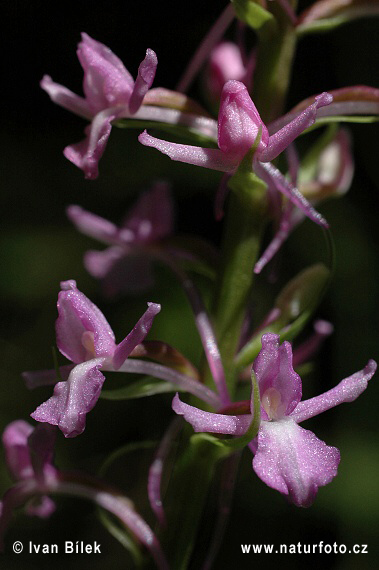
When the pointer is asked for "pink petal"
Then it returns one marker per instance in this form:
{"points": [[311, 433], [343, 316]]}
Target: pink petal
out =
{"points": [[136, 335], [106, 81], [66, 98], [274, 178], [279, 385], [283, 138], [279, 238], [152, 217], [347, 390], [225, 62], [120, 271], [293, 460], [87, 153], [73, 399], [92, 225], [202, 421], [206, 157], [78, 315], [145, 78], [239, 122], [17, 453]]}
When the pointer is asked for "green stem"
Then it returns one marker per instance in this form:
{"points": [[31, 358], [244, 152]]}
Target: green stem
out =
{"points": [[245, 222], [189, 488], [276, 49]]}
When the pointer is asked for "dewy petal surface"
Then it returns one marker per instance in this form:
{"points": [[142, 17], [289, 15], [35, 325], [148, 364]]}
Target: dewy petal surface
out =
{"points": [[106, 81], [293, 460], [210, 422], [77, 315], [239, 122], [136, 335], [145, 78], [73, 399], [282, 138], [274, 372], [347, 390], [87, 153], [66, 98], [212, 158]]}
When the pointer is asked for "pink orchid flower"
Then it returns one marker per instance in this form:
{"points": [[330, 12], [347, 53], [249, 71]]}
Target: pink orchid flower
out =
{"points": [[239, 128], [85, 337], [125, 266], [110, 92], [287, 457]]}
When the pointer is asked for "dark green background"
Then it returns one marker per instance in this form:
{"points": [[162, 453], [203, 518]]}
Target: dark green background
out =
{"points": [[39, 247]]}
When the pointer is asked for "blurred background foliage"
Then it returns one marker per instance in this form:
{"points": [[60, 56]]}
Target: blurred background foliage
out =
{"points": [[39, 248]]}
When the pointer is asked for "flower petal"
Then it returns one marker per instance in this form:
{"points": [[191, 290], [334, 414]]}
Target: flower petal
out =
{"points": [[279, 385], [225, 62], [239, 122], [274, 178], [293, 460], [73, 399], [87, 153], [17, 453], [66, 98], [152, 217], [136, 335], [145, 78], [210, 422], [92, 225], [285, 227], [282, 138], [106, 81], [347, 390], [211, 158], [78, 315]]}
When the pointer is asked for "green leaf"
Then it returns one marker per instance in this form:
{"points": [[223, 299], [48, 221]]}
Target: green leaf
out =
{"points": [[296, 302], [326, 16], [309, 164], [143, 388], [253, 14], [302, 292], [187, 494]]}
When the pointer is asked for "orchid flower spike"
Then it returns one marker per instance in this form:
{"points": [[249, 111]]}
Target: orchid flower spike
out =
{"points": [[110, 92], [239, 126], [85, 337], [125, 265], [287, 458]]}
